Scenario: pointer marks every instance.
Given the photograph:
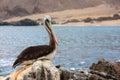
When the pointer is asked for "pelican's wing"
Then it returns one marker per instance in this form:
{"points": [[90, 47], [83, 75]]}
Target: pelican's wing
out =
{"points": [[32, 53]]}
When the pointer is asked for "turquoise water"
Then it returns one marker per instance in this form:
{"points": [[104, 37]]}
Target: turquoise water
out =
{"points": [[79, 46]]}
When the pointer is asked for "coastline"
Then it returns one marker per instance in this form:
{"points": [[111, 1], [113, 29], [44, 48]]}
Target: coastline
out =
{"points": [[104, 23], [29, 22], [102, 15]]}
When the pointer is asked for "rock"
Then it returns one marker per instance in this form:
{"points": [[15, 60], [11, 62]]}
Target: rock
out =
{"points": [[4, 23], [116, 16], [71, 75], [87, 20], [40, 70], [109, 67], [1, 78], [45, 70], [71, 20], [100, 19], [103, 70], [24, 22]]}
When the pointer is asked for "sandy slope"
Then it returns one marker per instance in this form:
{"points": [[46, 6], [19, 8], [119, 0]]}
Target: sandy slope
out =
{"points": [[79, 14]]}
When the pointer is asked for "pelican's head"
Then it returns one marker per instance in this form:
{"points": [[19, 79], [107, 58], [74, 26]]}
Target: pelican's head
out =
{"points": [[47, 23], [48, 26], [47, 17]]}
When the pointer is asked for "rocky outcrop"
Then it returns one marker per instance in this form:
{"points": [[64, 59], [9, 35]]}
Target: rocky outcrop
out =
{"points": [[112, 69], [103, 70], [92, 20], [100, 19], [45, 70], [40, 70], [25, 22]]}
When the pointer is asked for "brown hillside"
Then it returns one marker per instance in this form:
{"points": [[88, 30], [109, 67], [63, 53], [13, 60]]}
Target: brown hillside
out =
{"points": [[12, 8]]}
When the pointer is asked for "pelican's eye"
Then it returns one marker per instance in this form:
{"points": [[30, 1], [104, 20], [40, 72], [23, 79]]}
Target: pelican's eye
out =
{"points": [[47, 20]]}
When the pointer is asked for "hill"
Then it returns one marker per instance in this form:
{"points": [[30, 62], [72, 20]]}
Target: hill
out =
{"points": [[16, 8]]}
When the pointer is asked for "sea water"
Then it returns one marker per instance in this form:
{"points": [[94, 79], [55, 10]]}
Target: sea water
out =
{"points": [[79, 46]]}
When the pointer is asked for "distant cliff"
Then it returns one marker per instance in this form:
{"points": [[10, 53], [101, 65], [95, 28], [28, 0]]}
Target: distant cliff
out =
{"points": [[13, 8]]}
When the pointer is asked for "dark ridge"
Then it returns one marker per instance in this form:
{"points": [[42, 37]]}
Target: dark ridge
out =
{"points": [[100, 19], [25, 22]]}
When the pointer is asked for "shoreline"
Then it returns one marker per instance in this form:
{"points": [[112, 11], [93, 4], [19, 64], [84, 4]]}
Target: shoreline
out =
{"points": [[29, 22], [92, 16]]}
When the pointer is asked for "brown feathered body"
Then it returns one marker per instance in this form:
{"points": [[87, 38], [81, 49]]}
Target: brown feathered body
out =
{"points": [[34, 53]]}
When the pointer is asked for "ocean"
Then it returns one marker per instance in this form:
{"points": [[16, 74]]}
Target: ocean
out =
{"points": [[79, 46]]}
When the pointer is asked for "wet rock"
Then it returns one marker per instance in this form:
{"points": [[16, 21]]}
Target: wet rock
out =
{"points": [[109, 67]]}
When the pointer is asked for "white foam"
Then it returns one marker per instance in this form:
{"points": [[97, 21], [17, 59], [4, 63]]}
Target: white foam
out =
{"points": [[72, 68], [82, 62], [5, 63], [118, 61]]}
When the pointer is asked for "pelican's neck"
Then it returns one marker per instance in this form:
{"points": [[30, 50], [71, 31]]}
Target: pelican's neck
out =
{"points": [[51, 39]]}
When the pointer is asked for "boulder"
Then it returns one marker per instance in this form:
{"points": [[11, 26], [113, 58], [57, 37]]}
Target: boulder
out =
{"points": [[40, 70], [112, 69]]}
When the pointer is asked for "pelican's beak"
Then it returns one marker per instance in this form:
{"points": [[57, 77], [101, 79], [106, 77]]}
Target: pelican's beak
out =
{"points": [[52, 32]]}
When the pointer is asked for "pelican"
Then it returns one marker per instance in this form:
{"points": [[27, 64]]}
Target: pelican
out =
{"points": [[41, 52]]}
